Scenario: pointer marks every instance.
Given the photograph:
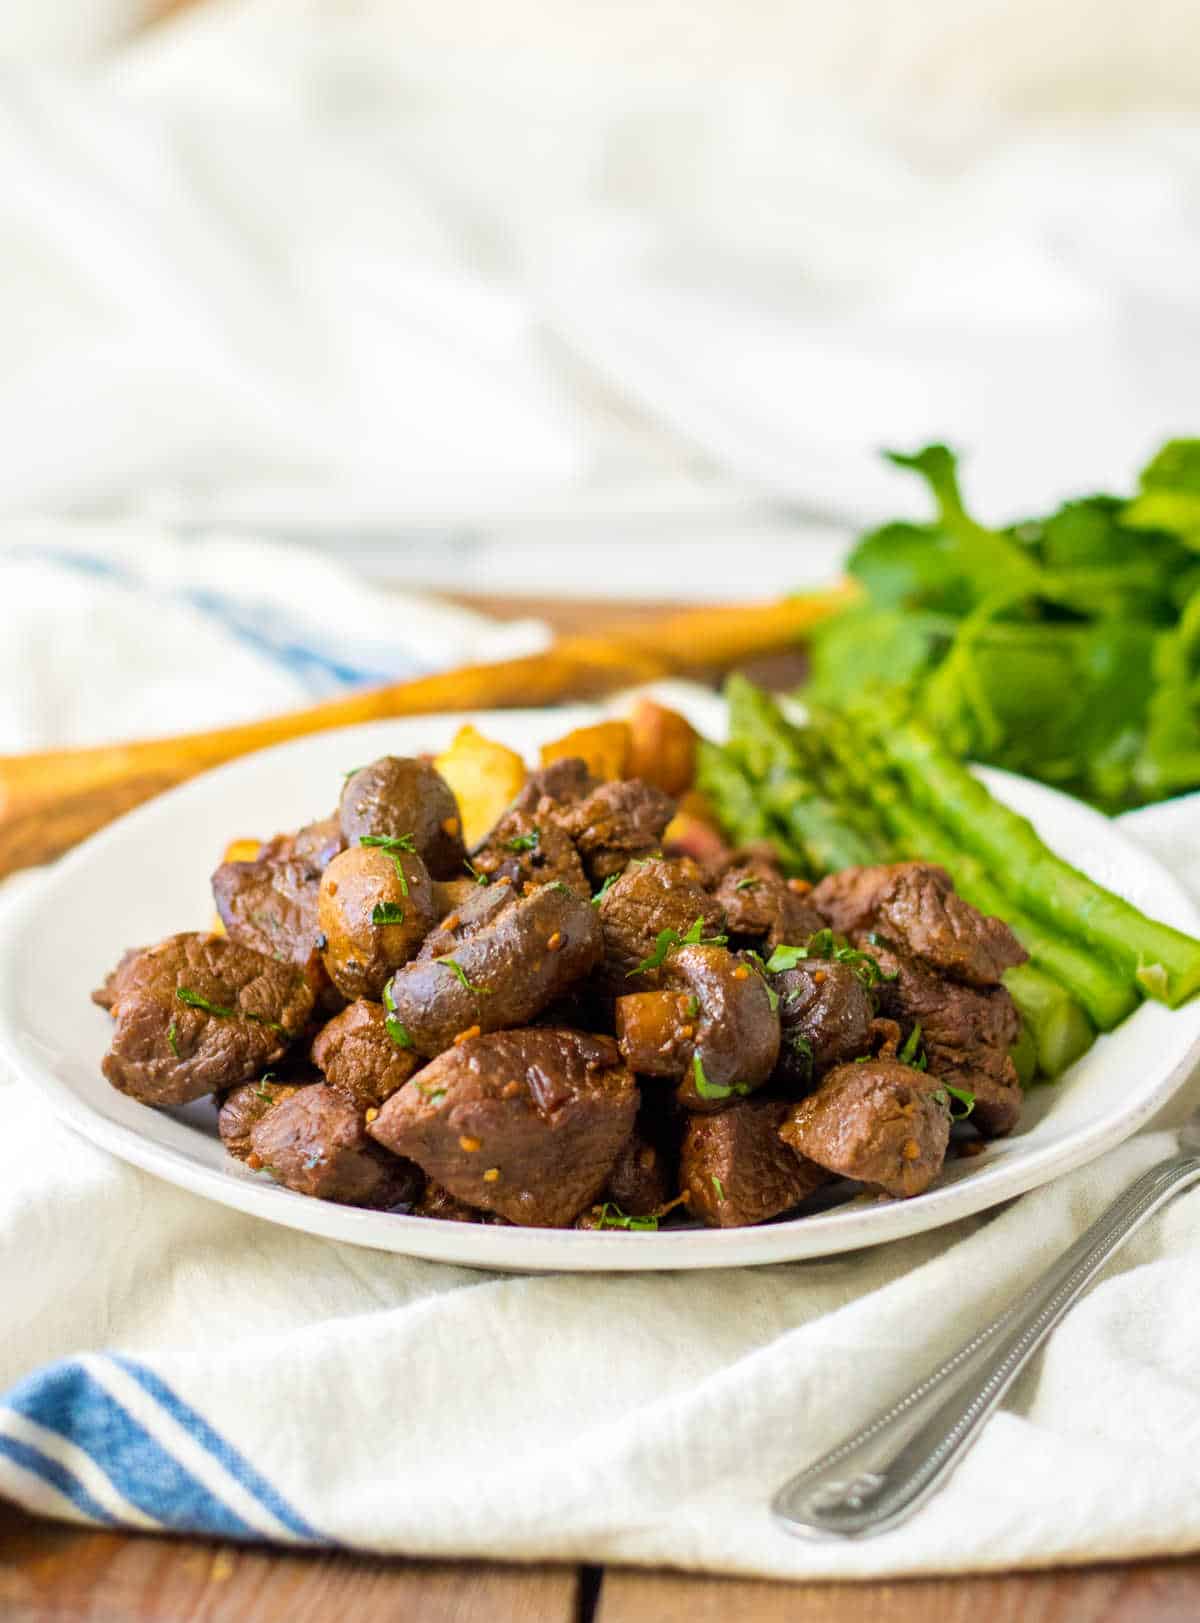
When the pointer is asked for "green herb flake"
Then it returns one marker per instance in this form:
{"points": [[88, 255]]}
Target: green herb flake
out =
{"points": [[524, 842], [693, 1007], [784, 958], [612, 1217], [261, 1090], [912, 1053], [392, 1024], [557, 884], [704, 1088], [387, 913], [172, 1034], [718, 1186], [604, 889], [431, 1098], [747, 884], [460, 975], [479, 878], [962, 1096]]}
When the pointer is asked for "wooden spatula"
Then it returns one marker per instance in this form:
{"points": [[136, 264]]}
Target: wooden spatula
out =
{"points": [[50, 801]]}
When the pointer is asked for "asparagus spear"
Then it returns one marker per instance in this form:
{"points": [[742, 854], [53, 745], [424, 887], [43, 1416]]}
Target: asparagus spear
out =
{"points": [[1106, 995], [1060, 1030], [721, 779], [1163, 961]]}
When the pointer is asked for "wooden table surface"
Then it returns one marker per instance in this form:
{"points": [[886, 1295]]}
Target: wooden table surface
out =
{"points": [[50, 1573]]}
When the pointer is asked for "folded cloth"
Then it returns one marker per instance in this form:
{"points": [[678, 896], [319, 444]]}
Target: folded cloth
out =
{"points": [[169, 1364]]}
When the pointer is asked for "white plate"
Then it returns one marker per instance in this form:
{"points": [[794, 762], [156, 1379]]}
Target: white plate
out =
{"points": [[147, 876]]}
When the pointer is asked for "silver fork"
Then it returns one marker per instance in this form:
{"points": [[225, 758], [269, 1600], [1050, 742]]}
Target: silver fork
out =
{"points": [[885, 1472]]}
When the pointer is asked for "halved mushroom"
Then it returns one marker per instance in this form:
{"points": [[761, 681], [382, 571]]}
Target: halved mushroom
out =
{"points": [[399, 796], [374, 908]]}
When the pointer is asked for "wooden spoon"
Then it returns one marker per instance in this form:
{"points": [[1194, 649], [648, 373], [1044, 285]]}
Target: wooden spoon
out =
{"points": [[51, 800]]}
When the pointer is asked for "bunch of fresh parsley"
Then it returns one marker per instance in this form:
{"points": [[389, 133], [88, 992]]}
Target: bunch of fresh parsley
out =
{"points": [[1065, 647]]}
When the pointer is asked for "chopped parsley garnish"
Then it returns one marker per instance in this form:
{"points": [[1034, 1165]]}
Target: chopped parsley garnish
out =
{"points": [[604, 889], [172, 1033], [946, 1095], [392, 845], [693, 1007], [387, 913], [393, 1025], [479, 878], [823, 945], [461, 976], [667, 940], [261, 1090], [222, 1011], [557, 884], [612, 1217], [802, 1048], [524, 842], [912, 1053], [747, 884], [718, 1186], [713, 1090], [434, 1098]]}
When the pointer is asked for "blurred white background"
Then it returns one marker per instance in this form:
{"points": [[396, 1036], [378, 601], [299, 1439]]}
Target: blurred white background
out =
{"points": [[469, 292]]}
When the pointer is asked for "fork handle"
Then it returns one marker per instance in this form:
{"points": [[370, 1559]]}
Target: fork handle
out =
{"points": [[883, 1473]]}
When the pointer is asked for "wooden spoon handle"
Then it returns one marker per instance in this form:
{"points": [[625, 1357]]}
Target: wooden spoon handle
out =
{"points": [[51, 800]]}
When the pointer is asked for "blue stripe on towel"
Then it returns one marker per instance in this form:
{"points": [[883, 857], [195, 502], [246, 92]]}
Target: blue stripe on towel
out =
{"points": [[235, 1463], [68, 1484], [65, 1398]]}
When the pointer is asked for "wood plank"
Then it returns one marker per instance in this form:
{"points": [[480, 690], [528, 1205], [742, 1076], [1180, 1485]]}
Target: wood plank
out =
{"points": [[1149, 1592], [56, 1574]]}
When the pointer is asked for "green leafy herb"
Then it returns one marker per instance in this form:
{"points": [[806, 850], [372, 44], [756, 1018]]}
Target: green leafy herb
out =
{"points": [[261, 1090], [693, 1007], [667, 940], [460, 975], [747, 884], [434, 1098], [823, 945], [785, 958], [604, 889], [712, 1090], [912, 1053], [387, 913], [946, 1095], [557, 884], [393, 845], [524, 842], [172, 1035], [392, 1024], [803, 1050], [479, 878], [718, 1186], [222, 1011], [612, 1217]]}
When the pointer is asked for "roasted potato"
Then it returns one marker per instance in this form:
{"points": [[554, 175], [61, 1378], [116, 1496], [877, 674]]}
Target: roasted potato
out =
{"points": [[662, 747], [485, 777], [604, 746]]}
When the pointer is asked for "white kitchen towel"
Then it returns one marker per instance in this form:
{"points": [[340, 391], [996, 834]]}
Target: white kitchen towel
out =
{"points": [[169, 1364]]}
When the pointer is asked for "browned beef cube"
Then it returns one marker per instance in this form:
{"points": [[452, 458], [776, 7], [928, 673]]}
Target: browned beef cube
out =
{"points": [[825, 1015], [315, 1143], [640, 1181], [966, 1034], [736, 1170], [525, 1123], [649, 897], [615, 823], [760, 904], [108, 994], [245, 1106], [198, 1013], [915, 906], [562, 783], [271, 905], [502, 975], [359, 1058], [880, 1123]]}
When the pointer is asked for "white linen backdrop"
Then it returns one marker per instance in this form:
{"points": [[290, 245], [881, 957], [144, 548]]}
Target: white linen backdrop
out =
{"points": [[333, 266]]}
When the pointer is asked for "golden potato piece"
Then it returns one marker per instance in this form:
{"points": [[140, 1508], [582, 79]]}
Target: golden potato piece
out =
{"points": [[662, 747], [486, 778], [604, 746], [242, 850]]}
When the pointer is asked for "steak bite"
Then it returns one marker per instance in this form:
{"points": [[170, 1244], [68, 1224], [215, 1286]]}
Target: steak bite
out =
{"points": [[915, 905], [315, 1143], [528, 848], [881, 1123], [639, 1182], [245, 1106], [403, 795], [712, 1025], [270, 904], [563, 783], [825, 1015], [201, 1012], [525, 1123], [759, 902], [108, 994], [358, 1057], [616, 822], [504, 974], [649, 897], [735, 1169], [375, 907], [965, 1033]]}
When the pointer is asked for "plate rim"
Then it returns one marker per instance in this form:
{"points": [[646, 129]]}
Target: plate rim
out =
{"points": [[481, 1246]]}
